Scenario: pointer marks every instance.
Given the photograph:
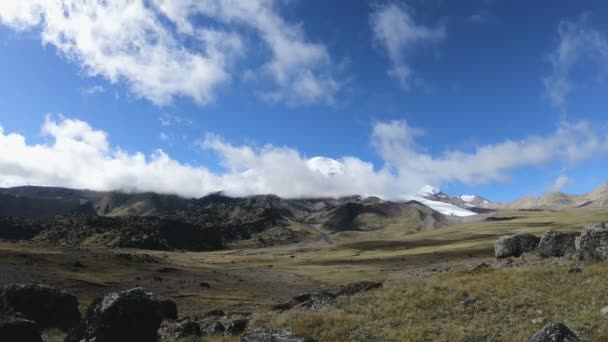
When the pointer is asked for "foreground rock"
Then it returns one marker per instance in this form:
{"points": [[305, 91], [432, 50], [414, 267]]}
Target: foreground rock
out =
{"points": [[18, 330], [555, 332], [47, 306], [131, 315], [168, 308], [316, 300], [556, 244], [265, 335], [593, 243], [515, 245]]}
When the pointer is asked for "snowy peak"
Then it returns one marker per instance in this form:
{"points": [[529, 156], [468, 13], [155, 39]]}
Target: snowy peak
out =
{"points": [[465, 202]]}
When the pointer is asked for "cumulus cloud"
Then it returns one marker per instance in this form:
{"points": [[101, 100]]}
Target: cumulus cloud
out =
{"points": [[569, 143], [396, 32], [579, 44], [79, 156], [559, 183], [161, 49]]}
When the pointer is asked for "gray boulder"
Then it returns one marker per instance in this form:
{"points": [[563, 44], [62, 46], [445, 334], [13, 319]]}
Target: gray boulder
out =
{"points": [[316, 300], [555, 332], [47, 306], [131, 315], [18, 330], [266, 335], [236, 327], [593, 244], [515, 245], [556, 244], [188, 328]]}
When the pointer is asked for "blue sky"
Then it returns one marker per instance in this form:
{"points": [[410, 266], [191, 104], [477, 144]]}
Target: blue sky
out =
{"points": [[248, 92]]}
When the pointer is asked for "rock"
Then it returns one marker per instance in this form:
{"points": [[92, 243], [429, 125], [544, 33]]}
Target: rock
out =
{"points": [[515, 245], [18, 330], [468, 301], [213, 328], [188, 328], [555, 332], [47, 306], [266, 335], [480, 267], [594, 243], [237, 327], [168, 308], [556, 244], [130, 315], [357, 287], [604, 311]]}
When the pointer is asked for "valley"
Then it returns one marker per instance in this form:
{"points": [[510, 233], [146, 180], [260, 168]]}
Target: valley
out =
{"points": [[303, 246]]}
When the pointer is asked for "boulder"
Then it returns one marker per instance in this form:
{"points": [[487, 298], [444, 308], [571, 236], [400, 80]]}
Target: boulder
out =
{"points": [[515, 245], [266, 335], [212, 328], [18, 330], [316, 300], [237, 327], [593, 244], [168, 308], [131, 315], [188, 328], [556, 244], [555, 332], [47, 306], [357, 287]]}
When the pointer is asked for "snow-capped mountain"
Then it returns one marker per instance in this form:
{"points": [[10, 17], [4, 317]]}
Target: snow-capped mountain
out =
{"points": [[466, 202]]}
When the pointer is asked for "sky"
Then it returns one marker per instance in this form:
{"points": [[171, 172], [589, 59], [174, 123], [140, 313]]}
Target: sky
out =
{"points": [[305, 98]]}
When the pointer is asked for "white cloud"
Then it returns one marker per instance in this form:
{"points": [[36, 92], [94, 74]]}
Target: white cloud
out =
{"points": [[569, 143], [168, 119], [134, 42], [93, 90], [80, 156], [300, 68], [559, 183], [397, 33], [579, 44], [163, 137]]}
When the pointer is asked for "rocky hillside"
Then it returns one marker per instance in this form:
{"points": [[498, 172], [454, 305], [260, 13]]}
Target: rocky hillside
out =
{"points": [[163, 222]]}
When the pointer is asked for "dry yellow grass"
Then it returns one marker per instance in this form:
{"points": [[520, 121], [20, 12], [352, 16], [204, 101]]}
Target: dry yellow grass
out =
{"points": [[507, 300]]}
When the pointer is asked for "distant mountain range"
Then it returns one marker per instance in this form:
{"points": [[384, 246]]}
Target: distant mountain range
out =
{"points": [[595, 199], [155, 221]]}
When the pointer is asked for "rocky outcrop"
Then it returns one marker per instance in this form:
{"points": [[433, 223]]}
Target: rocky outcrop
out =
{"points": [[555, 332], [18, 330], [316, 300], [515, 245], [266, 335], [131, 315], [556, 244], [188, 328], [357, 287], [593, 244], [47, 306], [237, 327]]}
